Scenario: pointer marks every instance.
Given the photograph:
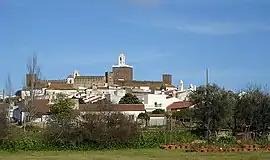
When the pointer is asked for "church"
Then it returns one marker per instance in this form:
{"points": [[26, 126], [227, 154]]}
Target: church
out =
{"points": [[121, 76]]}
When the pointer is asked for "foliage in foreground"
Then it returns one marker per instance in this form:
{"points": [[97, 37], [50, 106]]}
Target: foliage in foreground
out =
{"points": [[216, 108], [68, 130]]}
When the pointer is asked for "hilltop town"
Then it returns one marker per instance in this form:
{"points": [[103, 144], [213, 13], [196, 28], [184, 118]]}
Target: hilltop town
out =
{"points": [[87, 91]]}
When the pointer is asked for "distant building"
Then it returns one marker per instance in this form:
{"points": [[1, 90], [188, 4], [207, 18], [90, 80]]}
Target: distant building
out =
{"points": [[120, 76]]}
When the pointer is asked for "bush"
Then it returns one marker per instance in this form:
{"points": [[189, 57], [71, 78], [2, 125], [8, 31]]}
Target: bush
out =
{"points": [[20, 140], [263, 140], [110, 131], [4, 132], [226, 140], [95, 132], [153, 139], [92, 132], [158, 111]]}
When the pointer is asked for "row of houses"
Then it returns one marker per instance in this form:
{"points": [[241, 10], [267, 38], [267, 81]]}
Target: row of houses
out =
{"points": [[130, 110]]}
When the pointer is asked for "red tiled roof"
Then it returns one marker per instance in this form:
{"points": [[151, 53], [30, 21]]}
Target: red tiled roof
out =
{"points": [[55, 86], [170, 91], [41, 106], [129, 107], [179, 105], [115, 107], [169, 85], [88, 107]]}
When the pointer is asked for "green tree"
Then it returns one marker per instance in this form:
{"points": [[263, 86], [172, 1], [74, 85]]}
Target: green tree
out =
{"points": [[4, 129], [158, 111], [182, 114], [130, 99], [63, 124], [253, 111], [145, 117], [213, 107], [62, 108]]}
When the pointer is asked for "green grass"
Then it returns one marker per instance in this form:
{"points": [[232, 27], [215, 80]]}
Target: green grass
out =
{"points": [[145, 154]]}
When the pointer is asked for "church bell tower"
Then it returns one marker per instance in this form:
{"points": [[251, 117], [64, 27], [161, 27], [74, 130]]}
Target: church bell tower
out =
{"points": [[122, 71]]}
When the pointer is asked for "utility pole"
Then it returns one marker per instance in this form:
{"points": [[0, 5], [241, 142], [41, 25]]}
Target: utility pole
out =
{"points": [[207, 77], [206, 98]]}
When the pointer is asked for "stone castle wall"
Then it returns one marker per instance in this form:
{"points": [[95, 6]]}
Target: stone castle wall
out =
{"points": [[89, 81]]}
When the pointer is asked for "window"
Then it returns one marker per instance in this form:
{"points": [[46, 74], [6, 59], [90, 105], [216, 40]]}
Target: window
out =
{"points": [[158, 105], [131, 117]]}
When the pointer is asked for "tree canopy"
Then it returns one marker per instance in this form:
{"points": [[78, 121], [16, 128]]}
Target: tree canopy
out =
{"points": [[213, 108], [130, 99], [253, 111], [158, 111], [62, 108]]}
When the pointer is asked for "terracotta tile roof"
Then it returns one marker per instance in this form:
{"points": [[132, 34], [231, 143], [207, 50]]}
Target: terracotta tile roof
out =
{"points": [[129, 107], [61, 81], [170, 86], [114, 107], [88, 77], [151, 84], [89, 107], [42, 106], [169, 92], [179, 105], [55, 86]]}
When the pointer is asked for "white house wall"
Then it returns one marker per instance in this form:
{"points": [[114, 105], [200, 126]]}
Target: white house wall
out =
{"points": [[25, 94], [67, 92], [157, 121], [160, 99]]}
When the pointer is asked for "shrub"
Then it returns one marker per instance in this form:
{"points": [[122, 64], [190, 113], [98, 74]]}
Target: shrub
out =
{"points": [[95, 131], [158, 111], [226, 140], [3, 125], [109, 131], [263, 140]]}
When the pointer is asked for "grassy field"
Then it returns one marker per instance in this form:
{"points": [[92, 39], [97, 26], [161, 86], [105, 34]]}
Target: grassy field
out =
{"points": [[150, 154]]}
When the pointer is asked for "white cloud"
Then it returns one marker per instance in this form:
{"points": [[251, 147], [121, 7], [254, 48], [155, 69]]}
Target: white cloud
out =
{"points": [[219, 28], [205, 27]]}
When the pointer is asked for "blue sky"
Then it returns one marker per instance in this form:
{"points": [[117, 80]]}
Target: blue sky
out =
{"points": [[181, 37]]}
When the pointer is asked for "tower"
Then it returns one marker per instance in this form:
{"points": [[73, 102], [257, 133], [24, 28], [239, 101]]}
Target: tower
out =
{"points": [[122, 71], [76, 73], [29, 78], [167, 79], [70, 79], [121, 60], [180, 86]]}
